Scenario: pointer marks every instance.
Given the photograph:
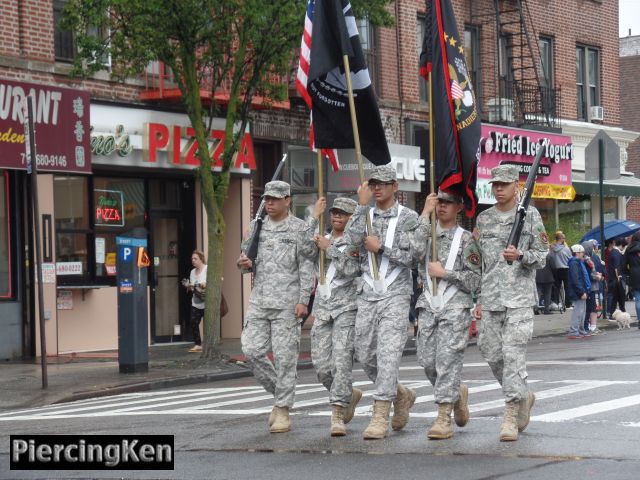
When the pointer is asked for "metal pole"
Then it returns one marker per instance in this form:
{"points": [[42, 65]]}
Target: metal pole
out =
{"points": [[356, 141], [321, 219], [601, 193], [32, 170], [432, 185]]}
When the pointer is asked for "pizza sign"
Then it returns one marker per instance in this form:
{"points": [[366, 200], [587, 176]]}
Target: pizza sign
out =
{"points": [[108, 208]]}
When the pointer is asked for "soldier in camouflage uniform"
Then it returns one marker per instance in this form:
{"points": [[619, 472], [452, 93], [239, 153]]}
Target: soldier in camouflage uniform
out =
{"points": [[279, 299], [444, 320], [383, 313], [508, 295], [334, 310]]}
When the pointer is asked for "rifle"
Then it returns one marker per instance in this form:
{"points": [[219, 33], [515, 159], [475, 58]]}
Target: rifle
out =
{"points": [[254, 237], [523, 205]]}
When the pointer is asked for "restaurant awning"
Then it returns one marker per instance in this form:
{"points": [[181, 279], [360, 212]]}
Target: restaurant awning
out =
{"points": [[625, 186]]}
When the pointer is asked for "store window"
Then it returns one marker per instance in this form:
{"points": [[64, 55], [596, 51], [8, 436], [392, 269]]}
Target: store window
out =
{"points": [[575, 217], [5, 238], [118, 208], [610, 208], [73, 228]]}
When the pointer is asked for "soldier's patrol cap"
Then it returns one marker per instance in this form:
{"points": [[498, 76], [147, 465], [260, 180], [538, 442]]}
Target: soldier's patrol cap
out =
{"points": [[277, 189], [344, 204], [505, 174], [449, 197], [383, 173]]}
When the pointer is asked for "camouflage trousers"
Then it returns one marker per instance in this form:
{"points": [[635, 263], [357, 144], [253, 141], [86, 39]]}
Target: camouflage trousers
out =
{"points": [[268, 329], [381, 334], [440, 345], [332, 355], [502, 339]]}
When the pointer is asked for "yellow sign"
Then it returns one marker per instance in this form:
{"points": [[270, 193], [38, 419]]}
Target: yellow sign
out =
{"points": [[143, 258], [558, 192], [111, 259]]}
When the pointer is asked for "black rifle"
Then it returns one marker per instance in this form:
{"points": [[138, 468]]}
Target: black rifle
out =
{"points": [[254, 237], [525, 200]]}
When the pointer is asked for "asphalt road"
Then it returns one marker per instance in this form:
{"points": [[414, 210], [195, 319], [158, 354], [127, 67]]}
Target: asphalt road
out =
{"points": [[586, 425]]}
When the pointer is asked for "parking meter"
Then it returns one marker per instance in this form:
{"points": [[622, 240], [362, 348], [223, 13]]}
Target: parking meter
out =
{"points": [[133, 331]]}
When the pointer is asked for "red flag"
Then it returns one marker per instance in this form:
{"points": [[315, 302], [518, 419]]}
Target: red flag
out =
{"points": [[455, 120]]}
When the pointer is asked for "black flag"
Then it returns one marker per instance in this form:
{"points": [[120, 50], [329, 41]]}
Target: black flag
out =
{"points": [[334, 34], [455, 117]]}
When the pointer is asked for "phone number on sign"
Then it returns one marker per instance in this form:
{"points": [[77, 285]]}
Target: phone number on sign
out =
{"points": [[44, 160]]}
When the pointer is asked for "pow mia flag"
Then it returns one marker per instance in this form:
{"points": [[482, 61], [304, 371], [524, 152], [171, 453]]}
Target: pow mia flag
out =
{"points": [[335, 34]]}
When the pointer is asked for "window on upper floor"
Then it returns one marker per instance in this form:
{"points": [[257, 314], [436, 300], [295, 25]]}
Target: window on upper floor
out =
{"points": [[421, 27], [546, 61], [587, 80], [64, 44], [367, 40], [472, 57]]}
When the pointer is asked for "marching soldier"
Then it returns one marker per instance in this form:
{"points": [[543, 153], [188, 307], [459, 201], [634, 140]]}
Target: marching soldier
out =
{"points": [[383, 306], [334, 310], [507, 295], [282, 287], [445, 318]]}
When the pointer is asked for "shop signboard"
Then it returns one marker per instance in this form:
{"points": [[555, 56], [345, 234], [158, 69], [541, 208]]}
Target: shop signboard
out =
{"points": [[512, 146], [108, 208], [62, 127]]}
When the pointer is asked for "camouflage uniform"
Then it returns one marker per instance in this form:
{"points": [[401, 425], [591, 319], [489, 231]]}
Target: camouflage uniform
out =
{"points": [[333, 327], [508, 293], [383, 318], [284, 278], [443, 333]]}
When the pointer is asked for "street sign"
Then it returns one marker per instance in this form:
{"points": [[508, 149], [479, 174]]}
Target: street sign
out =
{"points": [[611, 158]]}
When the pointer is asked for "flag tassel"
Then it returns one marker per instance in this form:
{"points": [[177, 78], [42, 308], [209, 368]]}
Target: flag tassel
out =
{"points": [[377, 282]]}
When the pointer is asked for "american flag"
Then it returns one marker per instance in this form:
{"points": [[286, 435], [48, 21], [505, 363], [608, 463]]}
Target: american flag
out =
{"points": [[301, 80], [456, 91]]}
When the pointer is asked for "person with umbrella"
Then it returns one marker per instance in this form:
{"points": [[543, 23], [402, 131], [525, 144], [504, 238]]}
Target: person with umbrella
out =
{"points": [[631, 266], [615, 288]]}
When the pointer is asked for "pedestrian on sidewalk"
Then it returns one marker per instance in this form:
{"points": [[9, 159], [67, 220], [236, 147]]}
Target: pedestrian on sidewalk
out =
{"points": [[508, 295], [579, 288], [632, 268], [282, 286], [382, 320], [445, 316], [561, 255], [544, 284], [334, 310], [596, 275], [196, 285], [616, 291]]}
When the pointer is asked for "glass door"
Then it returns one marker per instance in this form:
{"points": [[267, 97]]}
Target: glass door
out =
{"points": [[166, 281]]}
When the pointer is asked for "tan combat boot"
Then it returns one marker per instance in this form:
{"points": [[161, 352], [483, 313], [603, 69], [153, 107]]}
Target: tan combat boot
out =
{"points": [[379, 425], [356, 395], [509, 428], [405, 398], [442, 427], [281, 421], [524, 412], [461, 407], [272, 415], [337, 421]]}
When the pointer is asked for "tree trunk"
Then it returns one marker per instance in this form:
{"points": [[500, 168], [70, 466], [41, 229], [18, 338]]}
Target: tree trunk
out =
{"points": [[212, 323]]}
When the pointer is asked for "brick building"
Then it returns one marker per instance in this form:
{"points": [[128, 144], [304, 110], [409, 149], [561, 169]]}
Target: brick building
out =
{"points": [[630, 108], [522, 57]]}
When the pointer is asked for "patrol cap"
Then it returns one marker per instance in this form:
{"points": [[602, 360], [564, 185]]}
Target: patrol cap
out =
{"points": [[505, 174], [577, 248], [277, 189], [383, 173], [344, 204], [449, 196]]}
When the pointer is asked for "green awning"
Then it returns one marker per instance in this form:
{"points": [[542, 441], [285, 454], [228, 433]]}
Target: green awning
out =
{"points": [[625, 186]]}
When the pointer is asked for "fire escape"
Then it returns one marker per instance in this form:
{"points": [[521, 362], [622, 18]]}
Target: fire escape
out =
{"points": [[512, 88]]}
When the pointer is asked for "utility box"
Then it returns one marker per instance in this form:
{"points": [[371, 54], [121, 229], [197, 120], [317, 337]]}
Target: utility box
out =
{"points": [[133, 331]]}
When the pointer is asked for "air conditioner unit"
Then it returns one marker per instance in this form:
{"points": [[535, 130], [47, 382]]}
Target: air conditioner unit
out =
{"points": [[596, 113], [500, 110]]}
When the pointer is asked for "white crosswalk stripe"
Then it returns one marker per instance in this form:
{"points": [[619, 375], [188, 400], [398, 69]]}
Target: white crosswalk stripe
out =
{"points": [[312, 399]]}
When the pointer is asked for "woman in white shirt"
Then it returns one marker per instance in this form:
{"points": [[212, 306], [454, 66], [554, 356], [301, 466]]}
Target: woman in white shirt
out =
{"points": [[196, 284]]}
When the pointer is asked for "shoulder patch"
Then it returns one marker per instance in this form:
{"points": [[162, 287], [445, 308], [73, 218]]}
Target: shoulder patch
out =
{"points": [[544, 237], [473, 258]]}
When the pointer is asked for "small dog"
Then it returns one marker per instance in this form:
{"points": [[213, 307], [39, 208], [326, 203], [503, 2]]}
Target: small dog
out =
{"points": [[622, 319]]}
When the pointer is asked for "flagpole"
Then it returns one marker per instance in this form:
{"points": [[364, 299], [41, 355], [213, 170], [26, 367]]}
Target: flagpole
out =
{"points": [[432, 184], [321, 219], [356, 141]]}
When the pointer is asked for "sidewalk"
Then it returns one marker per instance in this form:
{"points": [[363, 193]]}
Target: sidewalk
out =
{"points": [[93, 374]]}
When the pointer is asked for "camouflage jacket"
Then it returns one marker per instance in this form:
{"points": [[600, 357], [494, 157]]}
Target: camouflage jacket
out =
{"points": [[503, 285], [466, 269], [406, 250], [346, 279], [284, 265]]}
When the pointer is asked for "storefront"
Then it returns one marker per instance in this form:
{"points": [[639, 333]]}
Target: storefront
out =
{"points": [[61, 118]]}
